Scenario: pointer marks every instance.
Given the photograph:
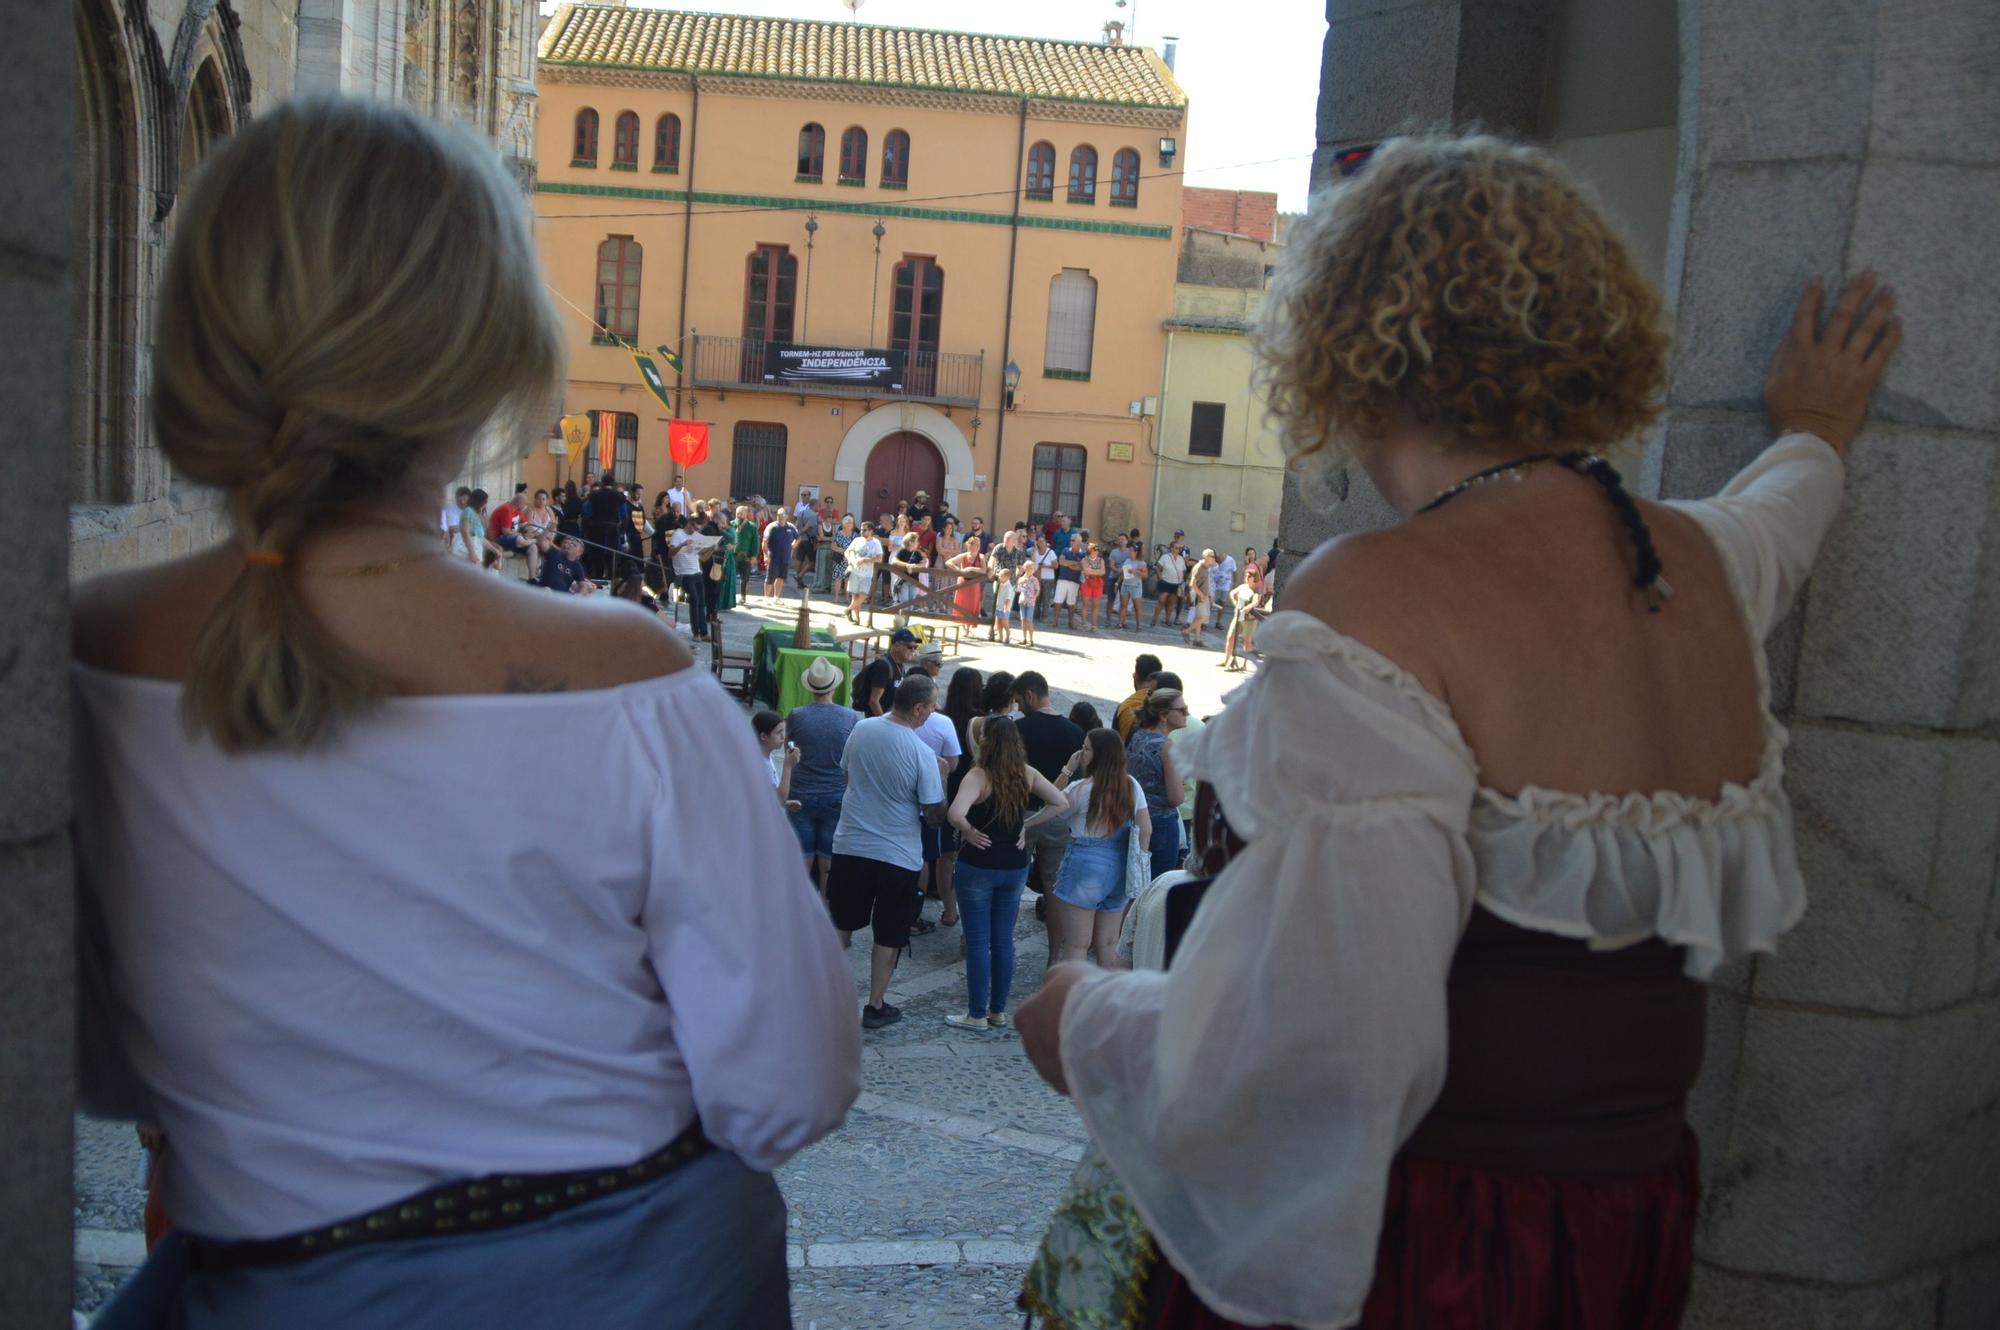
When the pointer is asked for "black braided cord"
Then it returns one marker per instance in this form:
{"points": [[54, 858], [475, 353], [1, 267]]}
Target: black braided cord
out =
{"points": [[1647, 570]]}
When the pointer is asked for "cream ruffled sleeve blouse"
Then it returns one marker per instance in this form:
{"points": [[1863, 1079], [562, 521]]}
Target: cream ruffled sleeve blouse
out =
{"points": [[1252, 1099]]}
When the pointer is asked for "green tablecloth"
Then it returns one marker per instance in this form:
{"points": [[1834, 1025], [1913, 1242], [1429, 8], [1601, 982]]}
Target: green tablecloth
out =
{"points": [[764, 648], [792, 665]]}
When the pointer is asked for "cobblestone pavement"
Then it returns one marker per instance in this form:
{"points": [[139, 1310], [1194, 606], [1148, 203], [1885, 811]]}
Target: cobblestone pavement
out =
{"points": [[923, 1210]]}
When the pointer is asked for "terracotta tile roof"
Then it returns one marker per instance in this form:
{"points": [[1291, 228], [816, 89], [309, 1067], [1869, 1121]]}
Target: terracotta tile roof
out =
{"points": [[836, 52]]}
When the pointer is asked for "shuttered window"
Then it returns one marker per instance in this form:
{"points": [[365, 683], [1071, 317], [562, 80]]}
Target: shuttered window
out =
{"points": [[1072, 324], [618, 288]]}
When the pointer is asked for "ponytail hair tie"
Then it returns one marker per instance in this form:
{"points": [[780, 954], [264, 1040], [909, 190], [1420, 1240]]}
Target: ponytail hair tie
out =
{"points": [[264, 558]]}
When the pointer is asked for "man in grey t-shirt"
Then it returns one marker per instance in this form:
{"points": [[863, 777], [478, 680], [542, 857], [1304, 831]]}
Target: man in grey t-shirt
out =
{"points": [[878, 850]]}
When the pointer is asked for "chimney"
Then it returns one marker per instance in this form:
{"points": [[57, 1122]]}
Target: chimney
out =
{"points": [[1114, 33], [1167, 51]]}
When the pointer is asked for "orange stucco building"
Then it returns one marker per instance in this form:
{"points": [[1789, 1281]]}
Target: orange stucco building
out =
{"points": [[764, 194]]}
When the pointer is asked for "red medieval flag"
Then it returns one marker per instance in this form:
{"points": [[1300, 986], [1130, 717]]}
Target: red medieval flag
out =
{"points": [[607, 441], [687, 441]]}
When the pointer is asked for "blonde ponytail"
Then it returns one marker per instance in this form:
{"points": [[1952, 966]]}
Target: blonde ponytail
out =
{"points": [[351, 299]]}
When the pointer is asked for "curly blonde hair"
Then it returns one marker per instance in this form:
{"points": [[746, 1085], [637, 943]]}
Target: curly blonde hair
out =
{"points": [[1462, 283]]}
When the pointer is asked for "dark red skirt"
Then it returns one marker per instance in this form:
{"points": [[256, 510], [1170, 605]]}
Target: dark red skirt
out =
{"points": [[1478, 1249]]}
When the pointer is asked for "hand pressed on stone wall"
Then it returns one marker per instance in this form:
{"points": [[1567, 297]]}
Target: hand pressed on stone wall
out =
{"points": [[1820, 383]]}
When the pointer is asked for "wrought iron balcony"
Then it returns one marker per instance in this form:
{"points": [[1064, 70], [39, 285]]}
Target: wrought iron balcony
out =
{"points": [[947, 378]]}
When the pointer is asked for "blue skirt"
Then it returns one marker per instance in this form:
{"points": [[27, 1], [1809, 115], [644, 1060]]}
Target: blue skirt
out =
{"points": [[1093, 872], [702, 1248]]}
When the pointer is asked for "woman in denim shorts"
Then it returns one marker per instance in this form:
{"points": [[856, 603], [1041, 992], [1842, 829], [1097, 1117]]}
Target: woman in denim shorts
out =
{"points": [[1105, 808]]}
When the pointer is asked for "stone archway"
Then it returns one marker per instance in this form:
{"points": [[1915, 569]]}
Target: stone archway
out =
{"points": [[851, 463]]}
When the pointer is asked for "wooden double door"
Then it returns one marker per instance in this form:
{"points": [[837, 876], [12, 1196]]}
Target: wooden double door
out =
{"points": [[901, 465]]}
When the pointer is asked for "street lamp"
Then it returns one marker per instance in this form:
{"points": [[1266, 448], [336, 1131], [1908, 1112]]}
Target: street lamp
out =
{"points": [[1167, 150], [1011, 377], [805, 305], [875, 289]]}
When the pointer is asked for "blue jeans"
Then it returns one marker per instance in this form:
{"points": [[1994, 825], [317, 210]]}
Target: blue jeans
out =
{"points": [[988, 899], [1166, 843]]}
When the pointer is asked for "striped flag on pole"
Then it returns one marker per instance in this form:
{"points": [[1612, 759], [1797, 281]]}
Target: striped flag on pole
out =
{"points": [[607, 441]]}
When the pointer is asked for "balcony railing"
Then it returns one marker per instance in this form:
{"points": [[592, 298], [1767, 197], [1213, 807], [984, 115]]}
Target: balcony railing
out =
{"points": [[950, 378]]}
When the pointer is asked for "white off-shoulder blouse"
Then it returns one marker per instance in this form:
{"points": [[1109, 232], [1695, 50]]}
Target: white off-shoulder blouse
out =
{"points": [[1252, 1099], [338, 978]]}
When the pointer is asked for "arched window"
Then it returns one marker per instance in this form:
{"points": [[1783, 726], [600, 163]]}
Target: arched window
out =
{"points": [[1042, 171], [667, 144], [915, 315], [205, 122], [1072, 325], [1083, 175], [812, 152], [854, 156], [896, 158], [618, 288], [585, 151], [625, 141], [1125, 179]]}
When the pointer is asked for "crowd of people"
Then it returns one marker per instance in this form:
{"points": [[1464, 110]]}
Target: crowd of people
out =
{"points": [[1499, 801], [971, 790], [705, 553]]}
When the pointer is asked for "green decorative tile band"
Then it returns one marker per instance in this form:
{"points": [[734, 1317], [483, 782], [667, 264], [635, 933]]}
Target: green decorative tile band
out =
{"points": [[1124, 203], [778, 202], [624, 166], [853, 182], [894, 184], [1073, 375], [808, 180], [1085, 199], [666, 170], [588, 166], [613, 192]]}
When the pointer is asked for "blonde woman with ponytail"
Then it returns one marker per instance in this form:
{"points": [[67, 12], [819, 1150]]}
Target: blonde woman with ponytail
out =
{"points": [[410, 1070]]}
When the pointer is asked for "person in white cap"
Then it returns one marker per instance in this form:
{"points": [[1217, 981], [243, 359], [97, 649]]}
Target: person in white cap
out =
{"points": [[819, 730]]}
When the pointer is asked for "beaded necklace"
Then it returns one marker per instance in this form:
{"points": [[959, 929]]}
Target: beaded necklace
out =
{"points": [[1648, 575]]}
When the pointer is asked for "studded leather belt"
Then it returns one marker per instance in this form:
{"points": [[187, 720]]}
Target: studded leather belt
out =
{"points": [[477, 1205]]}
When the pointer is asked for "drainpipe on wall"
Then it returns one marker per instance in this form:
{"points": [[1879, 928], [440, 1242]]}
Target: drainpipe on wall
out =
{"points": [[1007, 328], [687, 244], [1160, 438]]}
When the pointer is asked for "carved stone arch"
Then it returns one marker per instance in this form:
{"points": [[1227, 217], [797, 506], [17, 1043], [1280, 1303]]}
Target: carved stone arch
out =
{"points": [[120, 74], [209, 80]]}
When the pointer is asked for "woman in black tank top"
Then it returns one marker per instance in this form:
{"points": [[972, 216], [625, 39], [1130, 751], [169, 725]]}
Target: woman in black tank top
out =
{"points": [[991, 814]]}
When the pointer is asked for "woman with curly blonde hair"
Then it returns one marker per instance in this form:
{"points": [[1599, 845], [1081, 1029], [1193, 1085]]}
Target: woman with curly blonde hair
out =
{"points": [[410, 1070], [1503, 795]]}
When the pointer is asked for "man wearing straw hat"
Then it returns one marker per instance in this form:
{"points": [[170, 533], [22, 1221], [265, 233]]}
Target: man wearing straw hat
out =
{"points": [[819, 729]]}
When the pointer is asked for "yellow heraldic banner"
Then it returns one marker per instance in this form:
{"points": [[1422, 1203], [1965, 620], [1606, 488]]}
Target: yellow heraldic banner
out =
{"points": [[576, 434]]}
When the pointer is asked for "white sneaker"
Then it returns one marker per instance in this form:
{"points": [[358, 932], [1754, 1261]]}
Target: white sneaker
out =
{"points": [[965, 1022]]}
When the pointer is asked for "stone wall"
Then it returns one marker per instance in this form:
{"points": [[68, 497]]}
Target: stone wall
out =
{"points": [[1850, 1105], [470, 61], [38, 150]]}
